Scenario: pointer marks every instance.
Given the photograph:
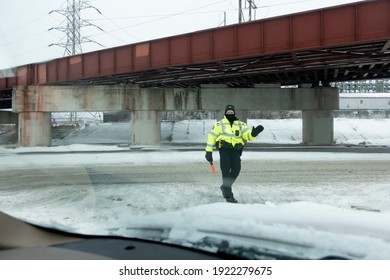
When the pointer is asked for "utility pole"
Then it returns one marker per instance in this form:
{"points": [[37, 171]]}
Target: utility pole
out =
{"points": [[239, 11], [72, 30], [252, 6]]}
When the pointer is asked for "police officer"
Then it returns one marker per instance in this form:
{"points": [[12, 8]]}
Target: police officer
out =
{"points": [[229, 136]]}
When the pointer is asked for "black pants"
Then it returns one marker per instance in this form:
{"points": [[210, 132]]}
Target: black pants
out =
{"points": [[230, 161]]}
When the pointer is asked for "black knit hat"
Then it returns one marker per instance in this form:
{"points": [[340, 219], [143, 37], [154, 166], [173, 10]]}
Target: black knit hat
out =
{"points": [[230, 107]]}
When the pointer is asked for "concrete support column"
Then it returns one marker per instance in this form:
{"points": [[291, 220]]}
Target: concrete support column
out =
{"points": [[146, 127], [317, 127], [34, 129]]}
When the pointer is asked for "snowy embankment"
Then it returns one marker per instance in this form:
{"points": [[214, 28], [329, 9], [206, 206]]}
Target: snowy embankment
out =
{"points": [[289, 131]]}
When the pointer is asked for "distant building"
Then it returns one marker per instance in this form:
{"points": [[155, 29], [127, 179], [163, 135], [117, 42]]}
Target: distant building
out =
{"points": [[364, 101]]}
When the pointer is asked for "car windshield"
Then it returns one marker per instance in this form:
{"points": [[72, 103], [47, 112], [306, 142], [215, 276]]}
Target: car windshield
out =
{"points": [[265, 138]]}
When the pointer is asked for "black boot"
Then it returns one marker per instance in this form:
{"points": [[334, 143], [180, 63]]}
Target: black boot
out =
{"points": [[231, 200], [228, 194]]}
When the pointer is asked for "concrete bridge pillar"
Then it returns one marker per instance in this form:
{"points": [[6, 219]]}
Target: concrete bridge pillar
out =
{"points": [[146, 127], [34, 129], [317, 127]]}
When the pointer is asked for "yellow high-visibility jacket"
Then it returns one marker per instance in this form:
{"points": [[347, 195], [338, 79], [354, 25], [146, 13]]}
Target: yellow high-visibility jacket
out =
{"points": [[238, 133]]}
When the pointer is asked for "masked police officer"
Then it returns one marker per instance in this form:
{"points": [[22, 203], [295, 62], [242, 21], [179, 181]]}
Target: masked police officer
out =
{"points": [[229, 136]]}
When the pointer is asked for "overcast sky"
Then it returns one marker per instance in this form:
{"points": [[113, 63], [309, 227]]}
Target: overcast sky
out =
{"points": [[25, 24]]}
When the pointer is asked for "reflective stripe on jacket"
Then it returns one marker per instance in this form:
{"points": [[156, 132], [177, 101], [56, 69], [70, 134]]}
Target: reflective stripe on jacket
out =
{"points": [[238, 133]]}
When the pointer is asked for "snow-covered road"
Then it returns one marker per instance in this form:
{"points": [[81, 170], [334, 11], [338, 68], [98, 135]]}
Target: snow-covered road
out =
{"points": [[332, 202]]}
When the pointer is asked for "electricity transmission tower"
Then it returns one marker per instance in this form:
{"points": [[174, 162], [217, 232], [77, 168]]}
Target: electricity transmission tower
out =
{"points": [[74, 25], [72, 30]]}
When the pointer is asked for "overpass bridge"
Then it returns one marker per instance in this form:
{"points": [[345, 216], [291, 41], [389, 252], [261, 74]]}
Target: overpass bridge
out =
{"points": [[204, 70]]}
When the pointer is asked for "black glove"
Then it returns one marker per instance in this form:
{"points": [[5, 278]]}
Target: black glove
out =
{"points": [[257, 130], [209, 157]]}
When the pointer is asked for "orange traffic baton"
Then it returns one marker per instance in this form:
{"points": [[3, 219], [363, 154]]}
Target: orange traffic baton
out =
{"points": [[212, 168]]}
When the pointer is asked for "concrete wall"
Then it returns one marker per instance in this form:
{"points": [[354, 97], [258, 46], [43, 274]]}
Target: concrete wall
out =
{"points": [[103, 98], [122, 98], [270, 98]]}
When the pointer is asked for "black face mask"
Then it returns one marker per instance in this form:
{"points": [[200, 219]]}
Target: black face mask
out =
{"points": [[231, 118]]}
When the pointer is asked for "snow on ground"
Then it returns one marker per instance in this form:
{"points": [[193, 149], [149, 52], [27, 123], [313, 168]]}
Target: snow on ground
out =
{"points": [[276, 132], [346, 218]]}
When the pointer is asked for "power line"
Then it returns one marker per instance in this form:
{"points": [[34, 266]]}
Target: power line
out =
{"points": [[154, 18]]}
